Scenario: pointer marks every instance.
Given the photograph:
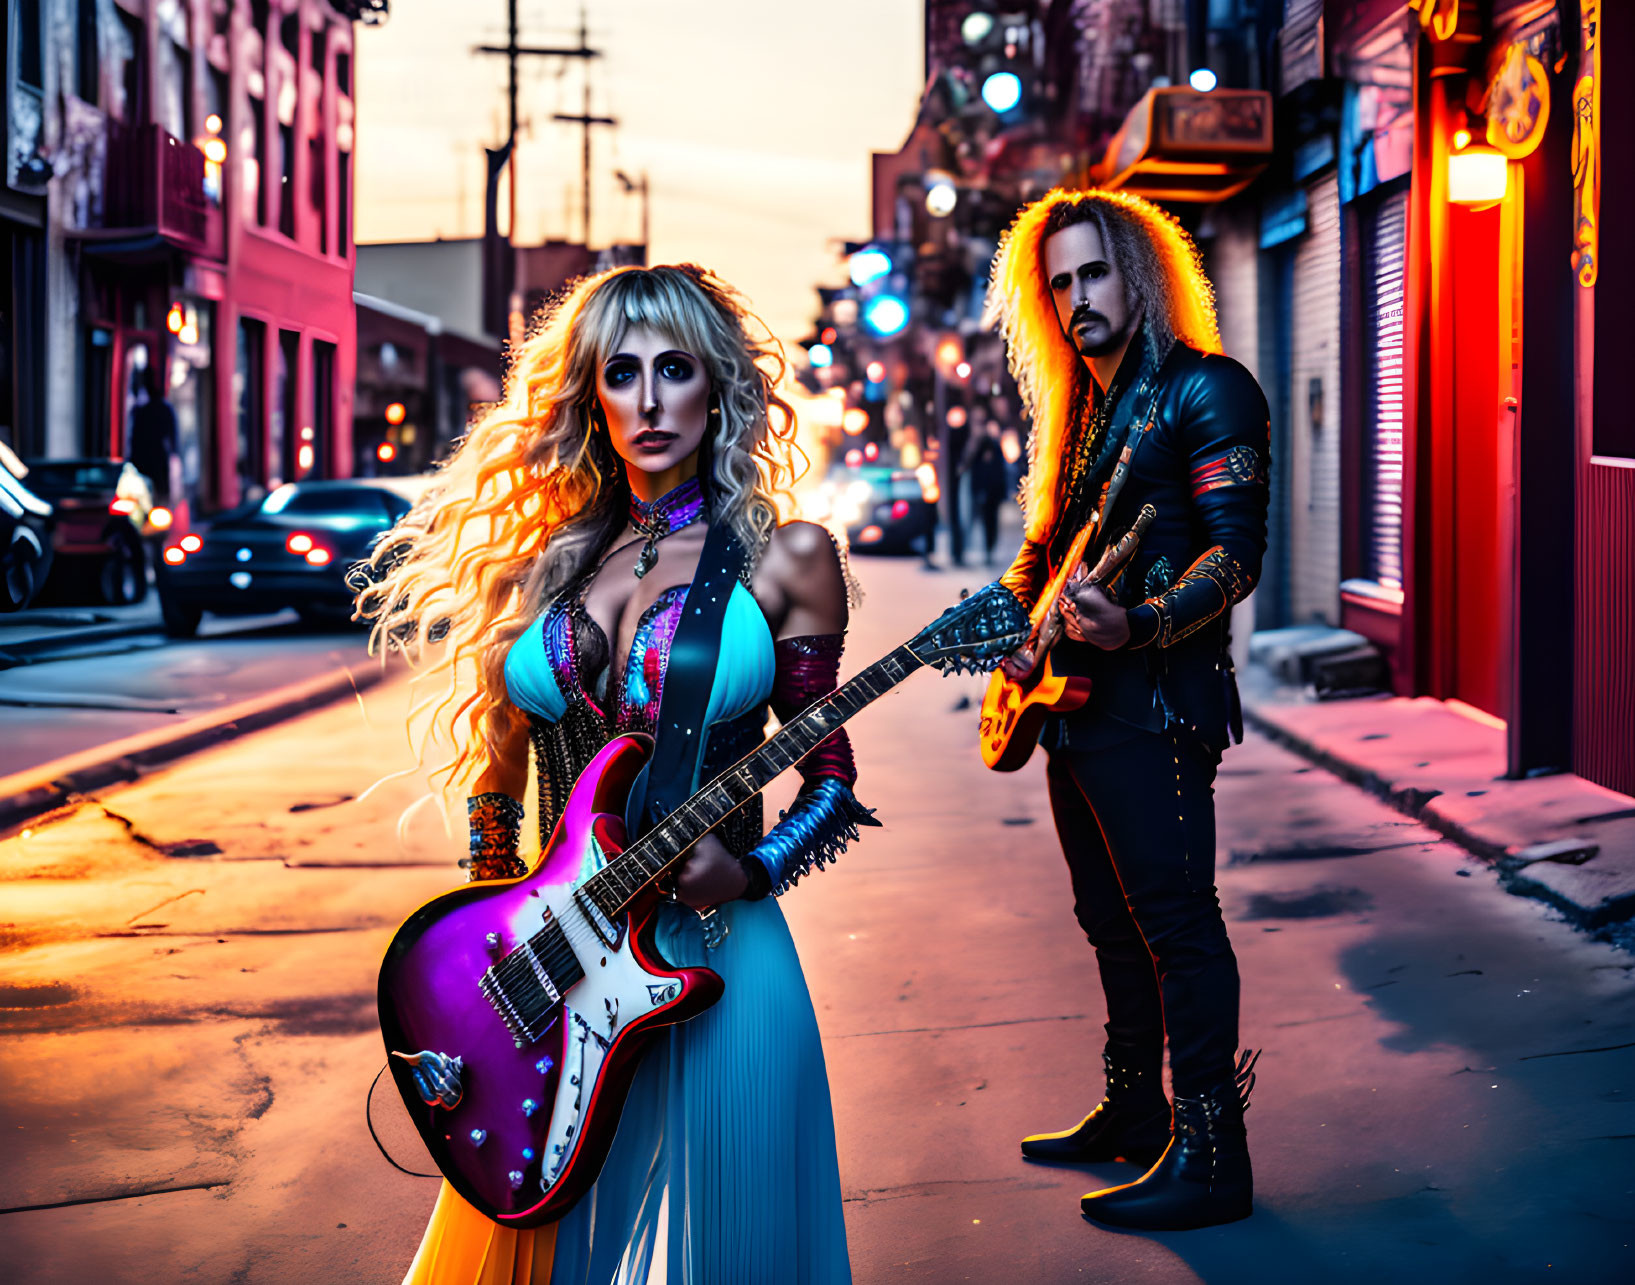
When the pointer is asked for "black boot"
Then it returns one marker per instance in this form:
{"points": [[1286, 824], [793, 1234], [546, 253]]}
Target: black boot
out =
{"points": [[1204, 1176], [1131, 1123]]}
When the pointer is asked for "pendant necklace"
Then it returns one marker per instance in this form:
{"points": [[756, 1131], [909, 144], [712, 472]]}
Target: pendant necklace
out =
{"points": [[676, 508]]}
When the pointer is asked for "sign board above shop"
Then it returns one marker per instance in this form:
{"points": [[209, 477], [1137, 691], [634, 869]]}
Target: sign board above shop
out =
{"points": [[1178, 144]]}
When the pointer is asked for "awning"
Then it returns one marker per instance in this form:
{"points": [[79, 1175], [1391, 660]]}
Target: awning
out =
{"points": [[1178, 144]]}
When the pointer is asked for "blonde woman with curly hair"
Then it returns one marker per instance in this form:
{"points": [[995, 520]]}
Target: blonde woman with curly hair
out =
{"points": [[542, 584], [1110, 328]]}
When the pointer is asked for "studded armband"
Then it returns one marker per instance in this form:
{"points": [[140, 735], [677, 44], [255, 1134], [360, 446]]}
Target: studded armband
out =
{"points": [[496, 826], [816, 829]]}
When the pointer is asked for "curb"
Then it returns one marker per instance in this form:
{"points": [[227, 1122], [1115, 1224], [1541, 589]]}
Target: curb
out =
{"points": [[1512, 867], [25, 795], [13, 654]]}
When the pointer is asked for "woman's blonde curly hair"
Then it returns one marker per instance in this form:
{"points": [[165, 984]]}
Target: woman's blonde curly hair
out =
{"points": [[534, 492], [1163, 274]]}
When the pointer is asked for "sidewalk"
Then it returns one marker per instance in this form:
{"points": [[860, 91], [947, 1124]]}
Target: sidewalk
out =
{"points": [[1558, 838], [25, 635]]}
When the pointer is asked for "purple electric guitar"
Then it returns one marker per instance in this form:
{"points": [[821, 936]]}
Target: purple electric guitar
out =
{"points": [[541, 992]]}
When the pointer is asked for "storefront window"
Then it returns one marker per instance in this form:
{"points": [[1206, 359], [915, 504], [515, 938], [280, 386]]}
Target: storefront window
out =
{"points": [[190, 388], [316, 437], [280, 435], [1385, 243], [249, 384]]}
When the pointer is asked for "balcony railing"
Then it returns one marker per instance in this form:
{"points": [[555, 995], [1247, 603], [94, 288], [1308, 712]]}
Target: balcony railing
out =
{"points": [[155, 182]]}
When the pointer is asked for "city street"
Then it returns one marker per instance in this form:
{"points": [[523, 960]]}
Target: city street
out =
{"points": [[187, 998]]}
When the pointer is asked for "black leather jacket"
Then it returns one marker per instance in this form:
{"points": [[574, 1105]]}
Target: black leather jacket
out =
{"points": [[1203, 464]]}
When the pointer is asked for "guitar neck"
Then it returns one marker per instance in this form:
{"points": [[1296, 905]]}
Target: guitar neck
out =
{"points": [[618, 884]]}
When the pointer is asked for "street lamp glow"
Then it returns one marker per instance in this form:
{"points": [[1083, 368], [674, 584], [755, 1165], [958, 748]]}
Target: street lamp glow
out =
{"points": [[940, 199], [820, 355], [876, 371], [976, 28], [1478, 175], [1002, 91], [869, 265], [1203, 80], [885, 314]]}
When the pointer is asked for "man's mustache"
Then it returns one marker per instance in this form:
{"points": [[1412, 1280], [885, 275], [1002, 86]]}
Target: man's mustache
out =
{"points": [[1083, 314]]}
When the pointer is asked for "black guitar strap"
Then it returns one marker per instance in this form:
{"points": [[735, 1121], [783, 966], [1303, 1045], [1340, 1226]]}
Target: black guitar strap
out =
{"points": [[667, 780]]}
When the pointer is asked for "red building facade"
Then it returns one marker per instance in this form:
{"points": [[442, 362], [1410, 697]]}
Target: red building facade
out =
{"points": [[206, 216]]}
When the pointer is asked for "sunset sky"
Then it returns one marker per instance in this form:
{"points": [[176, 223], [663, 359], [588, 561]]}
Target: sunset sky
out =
{"points": [[754, 121]]}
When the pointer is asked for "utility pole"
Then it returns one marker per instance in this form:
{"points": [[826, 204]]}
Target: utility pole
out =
{"points": [[632, 185], [585, 120], [512, 51]]}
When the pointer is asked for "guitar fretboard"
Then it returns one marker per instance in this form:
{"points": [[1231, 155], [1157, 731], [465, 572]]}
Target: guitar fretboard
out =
{"points": [[617, 884]]}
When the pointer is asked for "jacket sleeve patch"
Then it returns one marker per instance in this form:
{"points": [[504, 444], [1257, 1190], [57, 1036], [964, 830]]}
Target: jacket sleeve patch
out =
{"points": [[1240, 466]]}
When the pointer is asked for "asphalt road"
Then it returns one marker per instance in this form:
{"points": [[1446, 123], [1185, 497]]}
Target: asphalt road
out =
{"points": [[81, 698], [187, 1026]]}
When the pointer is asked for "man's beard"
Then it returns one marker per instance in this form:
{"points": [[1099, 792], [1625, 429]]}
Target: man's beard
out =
{"points": [[1106, 341]]}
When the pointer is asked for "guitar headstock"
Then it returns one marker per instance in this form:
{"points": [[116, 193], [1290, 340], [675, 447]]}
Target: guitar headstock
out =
{"points": [[976, 633]]}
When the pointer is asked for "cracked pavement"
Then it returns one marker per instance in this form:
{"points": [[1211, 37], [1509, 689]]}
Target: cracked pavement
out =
{"points": [[187, 1026]]}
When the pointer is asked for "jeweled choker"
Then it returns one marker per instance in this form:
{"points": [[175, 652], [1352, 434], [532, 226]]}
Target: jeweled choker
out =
{"points": [[676, 508]]}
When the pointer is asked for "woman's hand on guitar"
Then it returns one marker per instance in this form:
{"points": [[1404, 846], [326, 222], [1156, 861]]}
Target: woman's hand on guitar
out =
{"points": [[710, 875]]}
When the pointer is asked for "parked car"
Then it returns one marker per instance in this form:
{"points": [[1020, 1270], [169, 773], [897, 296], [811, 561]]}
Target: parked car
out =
{"points": [[291, 549], [883, 507], [105, 516], [26, 528]]}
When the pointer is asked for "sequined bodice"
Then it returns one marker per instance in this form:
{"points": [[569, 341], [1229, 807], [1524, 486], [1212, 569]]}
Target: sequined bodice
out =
{"points": [[560, 672]]}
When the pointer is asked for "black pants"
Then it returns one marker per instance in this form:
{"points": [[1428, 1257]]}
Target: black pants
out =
{"points": [[1137, 825]]}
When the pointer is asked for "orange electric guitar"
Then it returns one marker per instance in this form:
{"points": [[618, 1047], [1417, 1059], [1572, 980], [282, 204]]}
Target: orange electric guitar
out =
{"points": [[1013, 710]]}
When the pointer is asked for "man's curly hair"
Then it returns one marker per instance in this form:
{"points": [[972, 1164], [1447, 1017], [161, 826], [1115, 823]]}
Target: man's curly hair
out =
{"points": [[1164, 276]]}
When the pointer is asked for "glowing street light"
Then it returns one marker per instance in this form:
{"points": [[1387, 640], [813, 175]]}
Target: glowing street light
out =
{"points": [[976, 28], [1477, 175], [876, 371], [885, 314], [869, 265], [820, 355], [940, 199], [1002, 91], [1203, 80]]}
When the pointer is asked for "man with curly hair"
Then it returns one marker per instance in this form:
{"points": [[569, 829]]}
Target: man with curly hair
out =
{"points": [[1110, 328]]}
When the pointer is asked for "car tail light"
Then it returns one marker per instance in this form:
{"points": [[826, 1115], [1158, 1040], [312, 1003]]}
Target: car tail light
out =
{"points": [[124, 507], [318, 557], [191, 542], [160, 519], [175, 555], [869, 534], [299, 542], [899, 510]]}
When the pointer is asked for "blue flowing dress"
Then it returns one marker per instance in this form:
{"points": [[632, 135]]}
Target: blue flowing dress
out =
{"points": [[724, 1167]]}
